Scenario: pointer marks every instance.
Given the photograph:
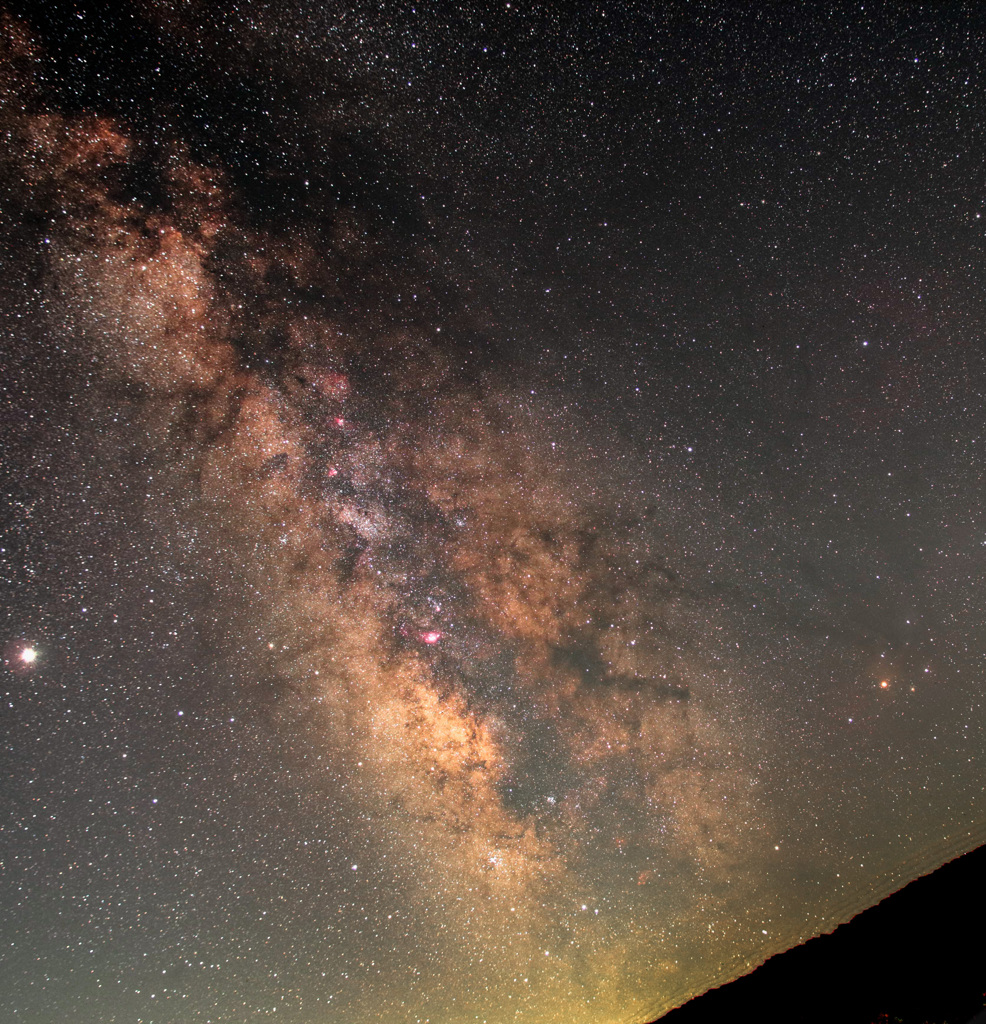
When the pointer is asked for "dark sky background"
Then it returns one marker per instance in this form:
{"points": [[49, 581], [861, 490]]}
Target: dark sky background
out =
{"points": [[492, 499]]}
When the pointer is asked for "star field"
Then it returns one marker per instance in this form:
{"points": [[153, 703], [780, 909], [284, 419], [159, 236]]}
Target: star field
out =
{"points": [[492, 500]]}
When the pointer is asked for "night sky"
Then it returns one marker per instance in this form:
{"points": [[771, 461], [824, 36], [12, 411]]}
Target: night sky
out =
{"points": [[492, 498]]}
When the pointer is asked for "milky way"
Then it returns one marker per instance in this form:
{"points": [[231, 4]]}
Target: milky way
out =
{"points": [[417, 614]]}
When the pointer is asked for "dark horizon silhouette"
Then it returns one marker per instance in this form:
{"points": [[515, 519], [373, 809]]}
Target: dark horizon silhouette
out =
{"points": [[915, 958]]}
